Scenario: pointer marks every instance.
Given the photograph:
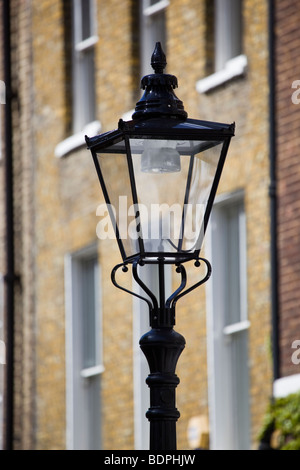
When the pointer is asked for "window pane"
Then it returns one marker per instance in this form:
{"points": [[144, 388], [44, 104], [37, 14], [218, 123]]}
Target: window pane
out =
{"points": [[158, 30], [83, 70], [233, 271], [233, 262], [89, 313], [91, 438], [84, 89], [153, 30], [228, 31], [86, 30]]}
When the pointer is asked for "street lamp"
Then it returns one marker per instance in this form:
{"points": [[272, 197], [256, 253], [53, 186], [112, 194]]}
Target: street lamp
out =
{"points": [[159, 175]]}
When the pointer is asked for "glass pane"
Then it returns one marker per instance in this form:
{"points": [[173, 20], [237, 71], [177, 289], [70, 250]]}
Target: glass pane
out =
{"points": [[87, 83], [170, 176], [84, 89], [89, 434], [173, 181], [228, 31], [203, 166], [89, 356], [114, 169], [157, 31], [153, 30], [86, 19], [239, 383]]}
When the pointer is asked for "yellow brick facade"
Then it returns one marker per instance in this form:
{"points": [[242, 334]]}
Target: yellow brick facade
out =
{"points": [[66, 195]]}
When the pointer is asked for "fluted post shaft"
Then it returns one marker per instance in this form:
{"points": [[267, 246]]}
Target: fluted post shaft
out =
{"points": [[162, 348]]}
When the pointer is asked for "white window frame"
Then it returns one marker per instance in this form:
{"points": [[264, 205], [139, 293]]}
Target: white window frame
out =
{"points": [[221, 337], [228, 64], [76, 377]]}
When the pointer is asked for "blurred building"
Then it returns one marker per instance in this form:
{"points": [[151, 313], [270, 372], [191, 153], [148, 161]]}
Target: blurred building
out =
{"points": [[74, 375]]}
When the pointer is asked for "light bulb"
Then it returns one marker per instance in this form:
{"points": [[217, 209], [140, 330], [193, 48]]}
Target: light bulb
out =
{"points": [[160, 156]]}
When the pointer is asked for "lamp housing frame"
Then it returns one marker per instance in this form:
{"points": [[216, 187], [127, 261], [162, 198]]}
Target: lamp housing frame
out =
{"points": [[159, 127]]}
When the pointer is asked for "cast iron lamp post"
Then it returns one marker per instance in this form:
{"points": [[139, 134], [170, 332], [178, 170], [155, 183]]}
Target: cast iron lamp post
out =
{"points": [[166, 169]]}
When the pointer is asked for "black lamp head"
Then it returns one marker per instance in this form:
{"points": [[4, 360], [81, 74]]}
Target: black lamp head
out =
{"points": [[161, 148]]}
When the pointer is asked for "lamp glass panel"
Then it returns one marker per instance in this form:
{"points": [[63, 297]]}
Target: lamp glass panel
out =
{"points": [[173, 180], [121, 208]]}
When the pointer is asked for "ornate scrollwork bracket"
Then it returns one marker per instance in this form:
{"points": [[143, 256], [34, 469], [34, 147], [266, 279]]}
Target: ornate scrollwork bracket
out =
{"points": [[155, 303]]}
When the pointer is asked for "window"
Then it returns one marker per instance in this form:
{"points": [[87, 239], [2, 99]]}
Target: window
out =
{"points": [[84, 40], [225, 38], [228, 327], [153, 30], [83, 351]]}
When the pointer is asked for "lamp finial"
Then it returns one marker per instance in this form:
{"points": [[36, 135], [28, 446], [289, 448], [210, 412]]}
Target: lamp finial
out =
{"points": [[159, 99], [158, 59]]}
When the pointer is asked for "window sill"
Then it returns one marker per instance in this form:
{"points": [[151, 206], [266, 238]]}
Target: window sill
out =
{"points": [[86, 43], [77, 140], [157, 7], [233, 68], [236, 327], [92, 371]]}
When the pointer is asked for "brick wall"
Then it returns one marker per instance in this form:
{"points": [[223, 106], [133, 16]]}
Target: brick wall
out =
{"points": [[288, 174]]}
